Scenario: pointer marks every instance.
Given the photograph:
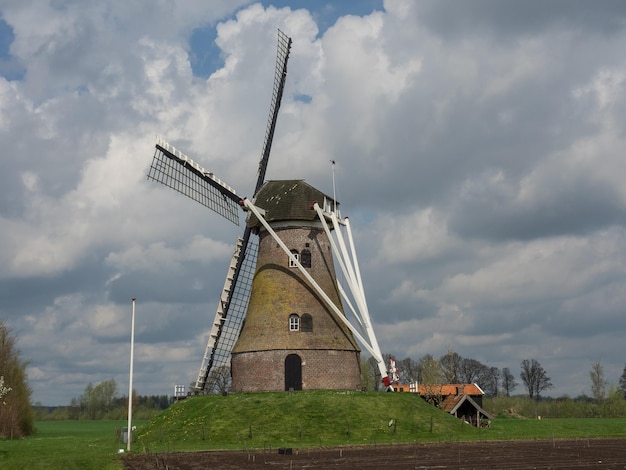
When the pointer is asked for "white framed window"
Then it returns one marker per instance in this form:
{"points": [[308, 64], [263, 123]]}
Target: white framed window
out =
{"points": [[294, 322], [292, 263]]}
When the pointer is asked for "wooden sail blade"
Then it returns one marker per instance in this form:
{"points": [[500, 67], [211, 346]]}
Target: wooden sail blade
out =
{"points": [[280, 75], [230, 313], [179, 172]]}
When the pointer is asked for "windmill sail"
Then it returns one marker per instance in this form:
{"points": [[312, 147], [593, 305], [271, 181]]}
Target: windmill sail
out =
{"points": [[234, 301], [230, 312], [280, 75], [179, 172]]}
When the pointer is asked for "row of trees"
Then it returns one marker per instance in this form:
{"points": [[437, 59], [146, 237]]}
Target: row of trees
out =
{"points": [[101, 401], [452, 368]]}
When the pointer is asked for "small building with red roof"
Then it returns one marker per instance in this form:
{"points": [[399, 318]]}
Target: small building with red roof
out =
{"points": [[464, 401]]}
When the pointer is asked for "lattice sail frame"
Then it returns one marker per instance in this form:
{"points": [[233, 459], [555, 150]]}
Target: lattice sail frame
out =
{"points": [[229, 315], [280, 76], [233, 304], [177, 171]]}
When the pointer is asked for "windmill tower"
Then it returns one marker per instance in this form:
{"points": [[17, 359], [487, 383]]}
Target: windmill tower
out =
{"points": [[290, 338], [280, 313]]}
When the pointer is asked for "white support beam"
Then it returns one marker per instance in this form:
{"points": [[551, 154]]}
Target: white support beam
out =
{"points": [[348, 301], [348, 262], [295, 262]]}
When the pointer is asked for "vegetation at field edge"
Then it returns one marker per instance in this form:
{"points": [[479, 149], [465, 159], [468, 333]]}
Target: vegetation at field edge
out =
{"points": [[16, 414], [614, 406]]}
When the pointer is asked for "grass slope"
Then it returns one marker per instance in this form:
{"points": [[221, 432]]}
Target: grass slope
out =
{"points": [[300, 419]]}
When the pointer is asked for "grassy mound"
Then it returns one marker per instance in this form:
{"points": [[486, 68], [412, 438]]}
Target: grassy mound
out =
{"points": [[300, 419]]}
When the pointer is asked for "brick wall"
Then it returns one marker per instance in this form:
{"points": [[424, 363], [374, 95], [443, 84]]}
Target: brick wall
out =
{"points": [[329, 352], [279, 290], [264, 371]]}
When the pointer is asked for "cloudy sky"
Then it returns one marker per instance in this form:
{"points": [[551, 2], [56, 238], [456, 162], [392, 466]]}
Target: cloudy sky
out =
{"points": [[480, 151]]}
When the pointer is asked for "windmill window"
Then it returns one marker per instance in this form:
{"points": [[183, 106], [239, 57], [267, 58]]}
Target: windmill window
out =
{"points": [[294, 322], [306, 323], [292, 263], [305, 258]]}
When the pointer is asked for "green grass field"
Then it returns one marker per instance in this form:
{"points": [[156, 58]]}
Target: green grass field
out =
{"points": [[507, 428], [80, 445], [271, 420]]}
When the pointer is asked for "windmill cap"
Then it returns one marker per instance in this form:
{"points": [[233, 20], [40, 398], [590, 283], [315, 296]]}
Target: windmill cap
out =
{"points": [[285, 200]]}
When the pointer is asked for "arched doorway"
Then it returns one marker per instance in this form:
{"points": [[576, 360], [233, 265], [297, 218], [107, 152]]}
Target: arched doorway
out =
{"points": [[293, 372]]}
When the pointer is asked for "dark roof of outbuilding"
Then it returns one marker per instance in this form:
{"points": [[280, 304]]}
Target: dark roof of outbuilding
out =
{"points": [[288, 200], [452, 403]]}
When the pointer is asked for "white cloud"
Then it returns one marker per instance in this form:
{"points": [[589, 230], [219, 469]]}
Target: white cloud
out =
{"points": [[157, 256], [479, 149], [415, 237]]}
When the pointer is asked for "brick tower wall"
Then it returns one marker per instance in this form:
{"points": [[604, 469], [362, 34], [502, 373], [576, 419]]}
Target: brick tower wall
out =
{"points": [[327, 348], [264, 371], [279, 290]]}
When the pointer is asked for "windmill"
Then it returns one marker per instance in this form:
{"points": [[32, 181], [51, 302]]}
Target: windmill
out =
{"points": [[280, 321]]}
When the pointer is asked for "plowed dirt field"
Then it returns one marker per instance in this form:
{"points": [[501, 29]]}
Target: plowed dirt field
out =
{"points": [[557, 454]]}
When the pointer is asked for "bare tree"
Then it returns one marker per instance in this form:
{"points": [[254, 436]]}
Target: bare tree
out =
{"points": [[431, 379], [508, 381], [622, 381], [534, 378], [367, 382], [489, 380], [409, 370], [451, 366], [374, 373], [430, 370], [598, 382], [221, 379], [470, 370]]}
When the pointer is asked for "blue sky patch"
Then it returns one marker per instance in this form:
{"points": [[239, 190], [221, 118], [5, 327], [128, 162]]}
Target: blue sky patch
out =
{"points": [[9, 67], [205, 56], [303, 98]]}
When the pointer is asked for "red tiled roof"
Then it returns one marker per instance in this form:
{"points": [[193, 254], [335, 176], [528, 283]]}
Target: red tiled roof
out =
{"points": [[450, 389], [450, 402]]}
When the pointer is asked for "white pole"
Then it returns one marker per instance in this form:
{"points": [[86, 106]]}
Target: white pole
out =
{"points": [[129, 431], [334, 195]]}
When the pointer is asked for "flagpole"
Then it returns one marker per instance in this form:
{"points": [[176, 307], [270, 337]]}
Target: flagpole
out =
{"points": [[129, 431]]}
